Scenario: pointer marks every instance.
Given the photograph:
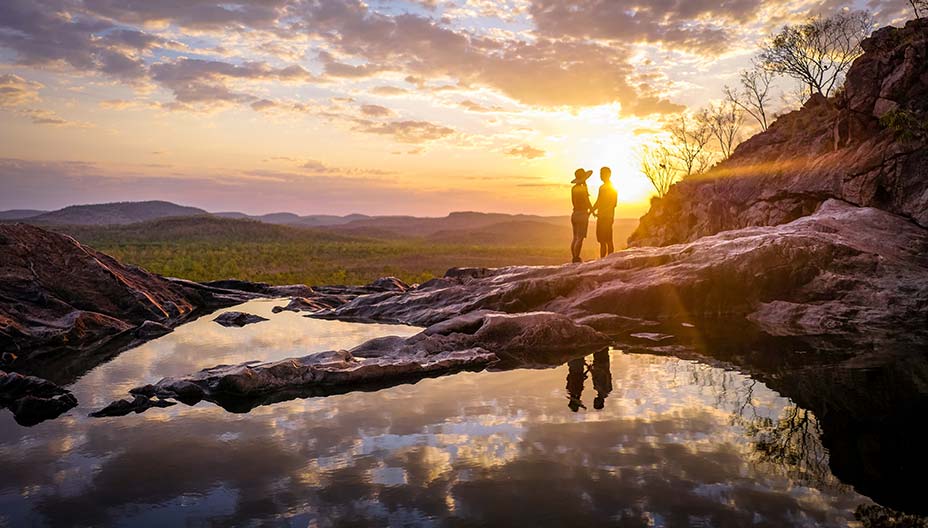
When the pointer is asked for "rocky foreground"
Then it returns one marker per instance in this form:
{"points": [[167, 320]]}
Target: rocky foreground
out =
{"points": [[65, 308], [843, 269]]}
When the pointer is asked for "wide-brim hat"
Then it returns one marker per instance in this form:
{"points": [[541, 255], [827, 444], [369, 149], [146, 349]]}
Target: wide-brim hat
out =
{"points": [[581, 175]]}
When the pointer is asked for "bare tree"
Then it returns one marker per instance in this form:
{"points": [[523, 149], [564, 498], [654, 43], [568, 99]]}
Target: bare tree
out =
{"points": [[818, 52], [920, 7], [657, 166], [753, 97], [689, 137], [724, 122]]}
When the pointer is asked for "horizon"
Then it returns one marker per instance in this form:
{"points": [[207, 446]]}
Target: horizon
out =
{"points": [[259, 214], [387, 108]]}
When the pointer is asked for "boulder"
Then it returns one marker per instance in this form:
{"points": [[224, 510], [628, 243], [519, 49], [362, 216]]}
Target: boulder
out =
{"points": [[33, 400], [238, 319], [58, 296], [138, 404], [388, 284]]}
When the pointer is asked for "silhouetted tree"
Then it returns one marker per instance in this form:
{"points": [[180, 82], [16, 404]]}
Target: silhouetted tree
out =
{"points": [[920, 7], [753, 97], [818, 52], [724, 121], [689, 137], [657, 166]]}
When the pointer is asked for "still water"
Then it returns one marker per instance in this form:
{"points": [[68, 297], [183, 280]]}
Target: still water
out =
{"points": [[611, 439]]}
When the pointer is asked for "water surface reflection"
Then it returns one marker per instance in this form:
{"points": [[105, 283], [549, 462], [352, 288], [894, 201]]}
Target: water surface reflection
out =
{"points": [[631, 440]]}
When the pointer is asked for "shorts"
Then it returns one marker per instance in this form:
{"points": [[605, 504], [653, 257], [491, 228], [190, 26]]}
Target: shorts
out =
{"points": [[581, 223], [604, 230]]}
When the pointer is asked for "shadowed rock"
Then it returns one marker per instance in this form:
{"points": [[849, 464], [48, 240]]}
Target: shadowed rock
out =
{"points": [[313, 304], [238, 319], [138, 405], [33, 400], [835, 148], [60, 297]]}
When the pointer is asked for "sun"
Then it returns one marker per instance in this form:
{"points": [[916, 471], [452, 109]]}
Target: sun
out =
{"points": [[598, 139]]}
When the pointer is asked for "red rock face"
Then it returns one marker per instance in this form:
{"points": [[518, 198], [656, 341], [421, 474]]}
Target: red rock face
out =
{"points": [[58, 295], [835, 148]]}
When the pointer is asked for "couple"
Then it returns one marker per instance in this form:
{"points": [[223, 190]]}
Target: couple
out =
{"points": [[603, 210]]}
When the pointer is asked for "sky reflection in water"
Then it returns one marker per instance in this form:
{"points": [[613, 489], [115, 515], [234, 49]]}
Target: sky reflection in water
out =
{"points": [[677, 443]]}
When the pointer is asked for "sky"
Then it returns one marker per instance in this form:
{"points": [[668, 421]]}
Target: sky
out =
{"points": [[341, 106]]}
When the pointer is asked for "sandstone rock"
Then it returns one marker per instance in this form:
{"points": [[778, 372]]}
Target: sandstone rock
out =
{"points": [[137, 404], [828, 149], [304, 304], [843, 269], [263, 289], [238, 319], [59, 297], [33, 400], [388, 284]]}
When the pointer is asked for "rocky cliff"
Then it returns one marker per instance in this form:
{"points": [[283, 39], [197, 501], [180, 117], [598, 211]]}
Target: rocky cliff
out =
{"points": [[867, 146]]}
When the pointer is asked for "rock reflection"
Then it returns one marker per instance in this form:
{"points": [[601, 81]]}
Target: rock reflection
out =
{"points": [[674, 443]]}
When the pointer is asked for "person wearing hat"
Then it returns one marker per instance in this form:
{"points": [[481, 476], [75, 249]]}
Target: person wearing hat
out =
{"points": [[604, 209], [580, 218]]}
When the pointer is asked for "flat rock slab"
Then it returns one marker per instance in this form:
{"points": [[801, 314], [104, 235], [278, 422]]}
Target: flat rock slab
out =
{"points": [[842, 270], [238, 319]]}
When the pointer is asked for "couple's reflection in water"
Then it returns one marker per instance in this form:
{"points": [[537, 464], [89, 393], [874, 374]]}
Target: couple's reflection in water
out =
{"points": [[578, 370]]}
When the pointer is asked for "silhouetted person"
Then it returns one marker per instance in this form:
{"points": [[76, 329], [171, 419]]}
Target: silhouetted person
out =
{"points": [[605, 212], [601, 373], [576, 375], [580, 197]]}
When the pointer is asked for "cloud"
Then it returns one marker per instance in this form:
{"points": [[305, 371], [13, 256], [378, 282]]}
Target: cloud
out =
{"points": [[388, 90], [541, 72], [525, 151], [406, 131], [334, 68], [16, 91], [694, 25], [372, 110], [196, 14], [201, 81], [471, 106]]}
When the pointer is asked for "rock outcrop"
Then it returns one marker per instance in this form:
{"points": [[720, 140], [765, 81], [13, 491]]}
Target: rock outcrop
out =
{"points": [[58, 296], [843, 269], [471, 341], [238, 319], [33, 400], [835, 148]]}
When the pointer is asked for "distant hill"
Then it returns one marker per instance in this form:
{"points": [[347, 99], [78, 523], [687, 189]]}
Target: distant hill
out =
{"points": [[411, 226], [114, 213], [159, 221], [19, 214], [201, 228], [294, 219]]}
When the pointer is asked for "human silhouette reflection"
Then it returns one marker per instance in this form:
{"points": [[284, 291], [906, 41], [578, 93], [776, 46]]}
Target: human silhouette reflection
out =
{"points": [[576, 376], [577, 372], [601, 373]]}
